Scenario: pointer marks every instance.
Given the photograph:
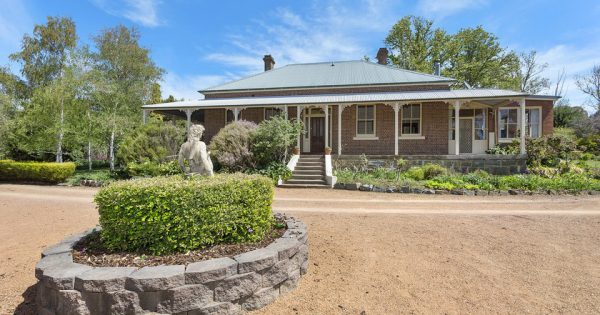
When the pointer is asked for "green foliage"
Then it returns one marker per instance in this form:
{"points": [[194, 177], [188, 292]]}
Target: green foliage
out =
{"points": [[103, 176], [274, 171], [35, 171], [472, 55], [273, 138], [415, 172], [589, 144], [151, 169], [231, 146], [154, 141], [432, 170], [164, 215], [566, 116], [550, 150]]}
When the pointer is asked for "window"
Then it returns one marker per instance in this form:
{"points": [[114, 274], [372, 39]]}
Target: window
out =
{"points": [[452, 135], [508, 123], [229, 117], [411, 119], [365, 120], [270, 112], [534, 125], [480, 117]]}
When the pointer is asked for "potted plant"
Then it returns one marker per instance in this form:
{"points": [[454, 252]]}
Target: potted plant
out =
{"points": [[327, 150], [296, 150]]}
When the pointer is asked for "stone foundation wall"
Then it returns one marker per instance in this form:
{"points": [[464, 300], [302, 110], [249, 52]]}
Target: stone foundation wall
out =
{"points": [[493, 164], [245, 282]]}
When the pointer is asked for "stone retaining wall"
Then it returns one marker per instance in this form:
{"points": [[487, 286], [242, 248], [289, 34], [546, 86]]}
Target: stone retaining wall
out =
{"points": [[491, 163], [245, 282]]}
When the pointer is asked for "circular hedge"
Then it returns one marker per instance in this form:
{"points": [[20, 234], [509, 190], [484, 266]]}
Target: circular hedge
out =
{"points": [[164, 215]]}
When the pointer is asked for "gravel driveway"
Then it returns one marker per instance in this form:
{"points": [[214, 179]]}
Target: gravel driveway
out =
{"points": [[377, 253]]}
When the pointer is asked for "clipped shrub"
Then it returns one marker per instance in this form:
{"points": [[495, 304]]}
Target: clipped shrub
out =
{"points": [[151, 169], [231, 146], [154, 141], [47, 172], [164, 215]]}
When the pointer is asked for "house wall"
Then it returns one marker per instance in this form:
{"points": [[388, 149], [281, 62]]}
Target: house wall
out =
{"points": [[397, 88], [214, 120]]}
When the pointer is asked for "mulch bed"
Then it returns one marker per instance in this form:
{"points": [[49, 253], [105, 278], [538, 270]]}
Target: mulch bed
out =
{"points": [[90, 251]]}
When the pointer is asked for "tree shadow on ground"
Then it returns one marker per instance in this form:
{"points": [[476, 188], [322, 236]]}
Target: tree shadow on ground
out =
{"points": [[27, 307]]}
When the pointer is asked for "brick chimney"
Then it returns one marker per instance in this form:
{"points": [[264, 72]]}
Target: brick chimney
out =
{"points": [[269, 62], [382, 56]]}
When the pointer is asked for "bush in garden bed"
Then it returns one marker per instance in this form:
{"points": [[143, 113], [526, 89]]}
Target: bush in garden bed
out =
{"points": [[36, 171], [163, 215]]}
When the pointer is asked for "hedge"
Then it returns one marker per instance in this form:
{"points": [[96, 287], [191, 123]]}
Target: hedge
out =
{"points": [[163, 215], [36, 171]]}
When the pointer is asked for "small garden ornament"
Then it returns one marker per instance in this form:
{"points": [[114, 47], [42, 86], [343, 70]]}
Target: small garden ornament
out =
{"points": [[196, 154]]}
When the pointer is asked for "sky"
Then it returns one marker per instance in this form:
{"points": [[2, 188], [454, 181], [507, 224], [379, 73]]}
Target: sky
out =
{"points": [[204, 43]]}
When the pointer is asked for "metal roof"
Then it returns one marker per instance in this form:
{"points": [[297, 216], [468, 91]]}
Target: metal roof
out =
{"points": [[334, 99], [329, 74]]}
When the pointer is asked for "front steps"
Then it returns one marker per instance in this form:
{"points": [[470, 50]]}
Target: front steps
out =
{"points": [[308, 173]]}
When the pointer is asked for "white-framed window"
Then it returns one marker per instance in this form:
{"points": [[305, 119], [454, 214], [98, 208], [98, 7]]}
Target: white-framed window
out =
{"points": [[365, 120], [272, 111], [411, 120], [534, 122], [480, 123], [508, 123]]}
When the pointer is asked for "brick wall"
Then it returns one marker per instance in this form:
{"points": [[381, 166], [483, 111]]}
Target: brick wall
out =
{"points": [[214, 120], [346, 90]]}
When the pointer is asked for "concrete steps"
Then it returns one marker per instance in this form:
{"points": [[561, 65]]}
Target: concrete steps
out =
{"points": [[308, 173]]}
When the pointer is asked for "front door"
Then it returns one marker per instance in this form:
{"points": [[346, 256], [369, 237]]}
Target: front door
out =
{"points": [[466, 136], [317, 135]]}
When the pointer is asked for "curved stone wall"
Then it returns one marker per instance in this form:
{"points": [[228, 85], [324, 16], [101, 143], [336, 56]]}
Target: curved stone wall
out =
{"points": [[245, 282]]}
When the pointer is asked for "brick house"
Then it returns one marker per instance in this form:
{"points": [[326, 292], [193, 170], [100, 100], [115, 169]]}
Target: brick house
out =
{"points": [[359, 107]]}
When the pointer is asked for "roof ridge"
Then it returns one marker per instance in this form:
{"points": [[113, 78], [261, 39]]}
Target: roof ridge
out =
{"points": [[244, 78], [394, 67]]}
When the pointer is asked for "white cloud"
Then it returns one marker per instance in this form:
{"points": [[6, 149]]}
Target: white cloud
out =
{"points": [[329, 31], [443, 8], [143, 12], [187, 86], [15, 21], [574, 61]]}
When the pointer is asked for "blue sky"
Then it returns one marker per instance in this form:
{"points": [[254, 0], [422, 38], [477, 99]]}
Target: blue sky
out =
{"points": [[203, 43]]}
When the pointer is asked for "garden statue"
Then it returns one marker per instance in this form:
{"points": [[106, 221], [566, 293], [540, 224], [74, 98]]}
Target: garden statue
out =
{"points": [[196, 154]]}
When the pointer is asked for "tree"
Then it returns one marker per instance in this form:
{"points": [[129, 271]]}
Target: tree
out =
{"points": [[476, 58], [590, 85], [415, 44], [126, 75], [568, 116], [531, 80], [273, 138], [472, 55], [45, 58], [44, 54]]}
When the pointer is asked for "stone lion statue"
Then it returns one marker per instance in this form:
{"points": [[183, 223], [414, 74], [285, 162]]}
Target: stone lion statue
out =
{"points": [[196, 153]]}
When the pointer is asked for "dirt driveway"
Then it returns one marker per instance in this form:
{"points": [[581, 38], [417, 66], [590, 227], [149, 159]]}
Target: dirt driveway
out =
{"points": [[377, 253]]}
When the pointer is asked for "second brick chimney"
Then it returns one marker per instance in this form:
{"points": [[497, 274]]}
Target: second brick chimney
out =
{"points": [[382, 56], [269, 62]]}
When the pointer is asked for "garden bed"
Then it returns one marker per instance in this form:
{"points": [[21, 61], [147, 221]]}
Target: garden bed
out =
{"points": [[225, 285], [91, 251]]}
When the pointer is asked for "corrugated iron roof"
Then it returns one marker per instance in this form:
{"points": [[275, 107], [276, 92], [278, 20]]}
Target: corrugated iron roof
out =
{"points": [[329, 74], [333, 99]]}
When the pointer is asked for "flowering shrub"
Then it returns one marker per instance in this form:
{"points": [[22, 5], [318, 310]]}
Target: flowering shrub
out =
{"points": [[231, 146]]}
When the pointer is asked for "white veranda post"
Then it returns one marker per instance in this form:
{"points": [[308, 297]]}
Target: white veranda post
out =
{"points": [[326, 109], [298, 110], [188, 121], [523, 125], [396, 110], [457, 127], [145, 116], [339, 128]]}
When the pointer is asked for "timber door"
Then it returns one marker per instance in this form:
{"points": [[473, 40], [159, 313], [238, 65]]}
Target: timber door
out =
{"points": [[317, 135], [466, 136]]}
